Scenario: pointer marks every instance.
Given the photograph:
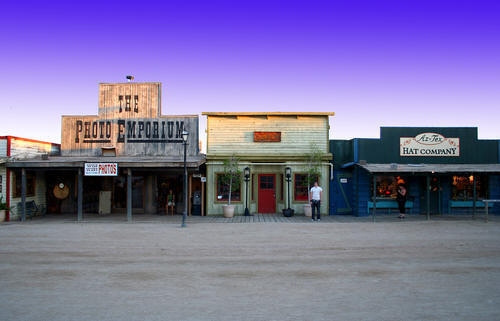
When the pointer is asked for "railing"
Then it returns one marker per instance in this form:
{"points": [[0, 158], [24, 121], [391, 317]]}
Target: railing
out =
{"points": [[489, 201]]}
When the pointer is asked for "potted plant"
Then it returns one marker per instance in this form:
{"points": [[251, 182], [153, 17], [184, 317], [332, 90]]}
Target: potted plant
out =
{"points": [[313, 171], [3, 209], [230, 177]]}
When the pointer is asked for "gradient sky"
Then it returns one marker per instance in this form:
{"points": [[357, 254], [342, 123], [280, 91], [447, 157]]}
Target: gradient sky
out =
{"points": [[373, 63]]}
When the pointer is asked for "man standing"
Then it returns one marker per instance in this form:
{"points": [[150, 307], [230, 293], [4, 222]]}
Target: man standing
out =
{"points": [[316, 195]]}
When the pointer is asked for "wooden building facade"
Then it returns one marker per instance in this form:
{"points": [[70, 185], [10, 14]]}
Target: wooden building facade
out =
{"points": [[126, 159], [266, 143]]}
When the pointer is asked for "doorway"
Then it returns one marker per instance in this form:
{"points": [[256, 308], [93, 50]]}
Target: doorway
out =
{"points": [[267, 193]]}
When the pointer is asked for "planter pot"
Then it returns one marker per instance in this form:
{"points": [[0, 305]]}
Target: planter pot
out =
{"points": [[2, 215], [308, 210], [288, 212], [228, 210]]}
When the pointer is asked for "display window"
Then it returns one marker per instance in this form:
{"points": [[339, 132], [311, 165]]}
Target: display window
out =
{"points": [[387, 186], [223, 190], [301, 188], [462, 187]]}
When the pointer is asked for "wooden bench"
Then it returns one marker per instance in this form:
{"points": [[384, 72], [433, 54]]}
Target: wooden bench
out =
{"points": [[32, 209], [467, 204], [389, 204]]}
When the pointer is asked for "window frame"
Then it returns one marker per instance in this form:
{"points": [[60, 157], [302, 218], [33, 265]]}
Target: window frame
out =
{"points": [[301, 199], [225, 200], [16, 188]]}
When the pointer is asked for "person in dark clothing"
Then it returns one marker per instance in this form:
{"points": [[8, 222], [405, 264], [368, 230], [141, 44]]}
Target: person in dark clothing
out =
{"points": [[401, 199]]}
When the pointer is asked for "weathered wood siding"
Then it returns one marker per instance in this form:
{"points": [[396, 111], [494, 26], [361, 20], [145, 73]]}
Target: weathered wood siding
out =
{"points": [[3, 147], [235, 134], [158, 136], [130, 121], [25, 148], [148, 100], [39, 197]]}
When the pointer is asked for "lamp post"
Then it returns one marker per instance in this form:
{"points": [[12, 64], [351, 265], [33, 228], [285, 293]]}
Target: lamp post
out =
{"points": [[288, 177], [247, 179], [185, 136]]}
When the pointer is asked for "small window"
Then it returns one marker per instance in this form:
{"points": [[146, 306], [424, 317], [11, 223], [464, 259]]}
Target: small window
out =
{"points": [[136, 103], [301, 187], [30, 184], [120, 99], [223, 190]]}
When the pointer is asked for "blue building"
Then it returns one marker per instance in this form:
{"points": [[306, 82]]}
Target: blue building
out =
{"points": [[447, 170]]}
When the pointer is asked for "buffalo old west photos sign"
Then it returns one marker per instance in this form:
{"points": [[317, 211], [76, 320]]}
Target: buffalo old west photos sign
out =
{"points": [[101, 169], [429, 144], [129, 123]]}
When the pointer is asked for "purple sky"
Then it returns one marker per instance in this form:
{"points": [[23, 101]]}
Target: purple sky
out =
{"points": [[373, 63]]}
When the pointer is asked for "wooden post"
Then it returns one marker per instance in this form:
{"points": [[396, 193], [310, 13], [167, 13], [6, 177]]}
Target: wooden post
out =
{"points": [[474, 198], [190, 193], [23, 193], [428, 197], [202, 199], [374, 196], [80, 195], [129, 195]]}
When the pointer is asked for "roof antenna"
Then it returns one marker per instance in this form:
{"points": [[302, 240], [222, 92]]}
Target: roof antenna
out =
{"points": [[129, 78]]}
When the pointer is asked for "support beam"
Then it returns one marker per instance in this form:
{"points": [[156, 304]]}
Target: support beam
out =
{"points": [[428, 196], [474, 196], [202, 199], [129, 195], [23, 193], [374, 196], [80, 195]]}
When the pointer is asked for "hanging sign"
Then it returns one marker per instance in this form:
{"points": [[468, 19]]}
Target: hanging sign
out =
{"points": [[267, 136], [429, 144], [101, 169]]}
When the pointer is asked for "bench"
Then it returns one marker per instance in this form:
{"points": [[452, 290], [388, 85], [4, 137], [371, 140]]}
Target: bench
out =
{"points": [[467, 204], [32, 209], [389, 204]]}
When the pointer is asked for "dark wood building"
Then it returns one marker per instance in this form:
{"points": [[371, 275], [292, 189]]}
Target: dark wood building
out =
{"points": [[446, 170]]}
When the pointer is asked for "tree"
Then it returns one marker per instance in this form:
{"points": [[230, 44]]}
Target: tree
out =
{"points": [[232, 174], [313, 170]]}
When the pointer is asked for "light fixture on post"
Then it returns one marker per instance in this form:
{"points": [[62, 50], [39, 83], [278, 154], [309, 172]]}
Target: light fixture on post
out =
{"points": [[288, 176], [246, 173], [185, 136]]}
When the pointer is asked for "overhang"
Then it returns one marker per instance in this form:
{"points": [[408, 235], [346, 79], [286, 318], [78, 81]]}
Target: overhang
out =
{"points": [[77, 162], [431, 168]]}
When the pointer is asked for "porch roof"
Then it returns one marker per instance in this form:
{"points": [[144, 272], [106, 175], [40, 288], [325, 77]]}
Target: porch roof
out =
{"points": [[76, 162], [431, 168]]}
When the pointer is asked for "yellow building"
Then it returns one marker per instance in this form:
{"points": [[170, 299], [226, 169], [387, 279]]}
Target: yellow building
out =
{"points": [[266, 143]]}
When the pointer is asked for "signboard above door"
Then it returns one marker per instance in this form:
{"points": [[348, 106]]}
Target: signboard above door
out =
{"points": [[264, 137], [101, 169], [429, 144]]}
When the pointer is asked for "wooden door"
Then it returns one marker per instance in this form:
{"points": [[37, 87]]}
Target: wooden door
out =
{"points": [[267, 193]]}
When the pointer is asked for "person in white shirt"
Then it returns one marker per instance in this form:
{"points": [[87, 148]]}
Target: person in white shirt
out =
{"points": [[316, 195]]}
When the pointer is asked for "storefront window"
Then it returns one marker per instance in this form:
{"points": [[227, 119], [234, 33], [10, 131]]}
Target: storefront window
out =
{"points": [[301, 187], [223, 190], [462, 187], [30, 184], [387, 186]]}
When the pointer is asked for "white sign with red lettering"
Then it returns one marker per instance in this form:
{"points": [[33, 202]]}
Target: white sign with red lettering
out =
{"points": [[101, 169]]}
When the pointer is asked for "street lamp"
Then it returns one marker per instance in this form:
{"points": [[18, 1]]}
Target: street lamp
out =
{"points": [[288, 177], [246, 172], [185, 136]]}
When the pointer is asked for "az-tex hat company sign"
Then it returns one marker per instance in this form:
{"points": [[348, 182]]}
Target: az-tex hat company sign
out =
{"points": [[429, 144]]}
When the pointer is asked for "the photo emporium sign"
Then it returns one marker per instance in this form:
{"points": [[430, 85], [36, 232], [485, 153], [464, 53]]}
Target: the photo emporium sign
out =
{"points": [[429, 144], [101, 169]]}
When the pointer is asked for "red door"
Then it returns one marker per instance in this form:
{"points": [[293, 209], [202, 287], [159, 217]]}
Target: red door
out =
{"points": [[267, 193]]}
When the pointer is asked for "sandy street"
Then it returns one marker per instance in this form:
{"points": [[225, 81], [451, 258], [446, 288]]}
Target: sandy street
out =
{"points": [[446, 270]]}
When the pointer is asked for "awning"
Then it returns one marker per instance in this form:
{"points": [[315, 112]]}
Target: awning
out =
{"points": [[76, 162], [431, 168]]}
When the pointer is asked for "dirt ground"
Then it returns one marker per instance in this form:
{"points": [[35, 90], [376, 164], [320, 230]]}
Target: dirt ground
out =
{"points": [[446, 270]]}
